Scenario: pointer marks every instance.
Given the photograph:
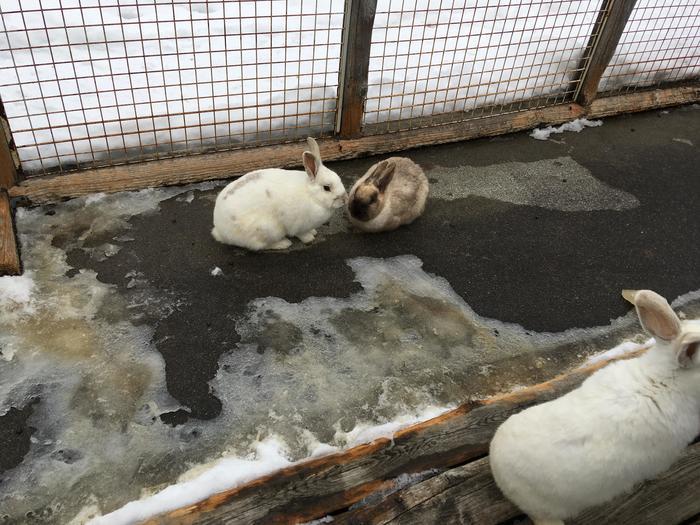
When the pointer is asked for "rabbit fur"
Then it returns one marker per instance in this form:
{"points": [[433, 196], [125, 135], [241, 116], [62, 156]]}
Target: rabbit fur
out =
{"points": [[260, 210], [626, 423], [392, 193]]}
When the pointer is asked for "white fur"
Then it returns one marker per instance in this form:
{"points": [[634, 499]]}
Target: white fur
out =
{"points": [[626, 423], [263, 208]]}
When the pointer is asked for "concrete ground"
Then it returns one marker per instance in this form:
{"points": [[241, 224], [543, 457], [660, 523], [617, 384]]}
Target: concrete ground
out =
{"points": [[544, 234], [545, 269]]}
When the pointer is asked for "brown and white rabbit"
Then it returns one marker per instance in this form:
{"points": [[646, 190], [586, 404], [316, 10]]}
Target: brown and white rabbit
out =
{"points": [[392, 192]]}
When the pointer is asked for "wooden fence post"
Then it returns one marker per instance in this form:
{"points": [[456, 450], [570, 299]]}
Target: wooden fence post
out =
{"points": [[357, 39], [607, 31], [9, 253]]}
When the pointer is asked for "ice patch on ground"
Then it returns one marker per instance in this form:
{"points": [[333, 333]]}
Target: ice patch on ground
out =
{"points": [[684, 141], [316, 376], [15, 292], [575, 125], [556, 184]]}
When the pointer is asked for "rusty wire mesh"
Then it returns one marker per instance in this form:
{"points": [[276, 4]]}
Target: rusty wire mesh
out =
{"points": [[87, 83], [469, 60], [660, 44]]}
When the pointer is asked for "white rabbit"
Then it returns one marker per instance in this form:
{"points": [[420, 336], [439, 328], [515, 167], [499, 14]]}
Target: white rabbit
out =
{"points": [[392, 192], [626, 423], [264, 207]]}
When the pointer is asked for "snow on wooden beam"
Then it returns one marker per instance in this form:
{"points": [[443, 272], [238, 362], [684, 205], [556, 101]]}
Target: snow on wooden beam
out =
{"points": [[313, 489]]}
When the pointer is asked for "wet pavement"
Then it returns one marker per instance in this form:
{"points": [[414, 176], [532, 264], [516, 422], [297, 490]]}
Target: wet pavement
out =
{"points": [[540, 234]]}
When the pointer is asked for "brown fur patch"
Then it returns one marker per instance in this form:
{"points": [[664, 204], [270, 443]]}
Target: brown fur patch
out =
{"points": [[366, 203], [245, 179]]}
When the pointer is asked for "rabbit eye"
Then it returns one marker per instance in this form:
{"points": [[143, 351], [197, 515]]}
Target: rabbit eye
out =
{"points": [[327, 188]]}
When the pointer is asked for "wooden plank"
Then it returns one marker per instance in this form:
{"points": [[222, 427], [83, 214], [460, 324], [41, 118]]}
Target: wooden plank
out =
{"points": [[643, 100], [318, 487], [671, 498], [357, 39], [8, 169], [468, 494], [607, 31], [9, 255], [197, 168]]}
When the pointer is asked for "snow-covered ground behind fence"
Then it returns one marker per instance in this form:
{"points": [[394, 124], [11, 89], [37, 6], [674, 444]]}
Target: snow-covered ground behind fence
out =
{"points": [[93, 82]]}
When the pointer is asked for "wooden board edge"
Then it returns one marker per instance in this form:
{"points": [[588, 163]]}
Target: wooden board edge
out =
{"points": [[228, 164], [606, 106], [564, 381], [469, 491], [9, 250]]}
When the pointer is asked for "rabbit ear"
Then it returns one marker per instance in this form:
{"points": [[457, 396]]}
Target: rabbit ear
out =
{"points": [[655, 314], [381, 177], [690, 346], [311, 164], [313, 146]]}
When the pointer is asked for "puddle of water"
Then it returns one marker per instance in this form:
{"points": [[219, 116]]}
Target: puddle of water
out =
{"points": [[314, 375], [556, 184]]}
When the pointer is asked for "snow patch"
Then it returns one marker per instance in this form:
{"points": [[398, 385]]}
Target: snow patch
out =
{"points": [[575, 125], [269, 455], [684, 141], [366, 433], [627, 347], [16, 291]]}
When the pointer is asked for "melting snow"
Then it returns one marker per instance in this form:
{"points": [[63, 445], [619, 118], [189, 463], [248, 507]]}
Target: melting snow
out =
{"points": [[15, 291], [307, 378], [226, 473], [575, 125]]}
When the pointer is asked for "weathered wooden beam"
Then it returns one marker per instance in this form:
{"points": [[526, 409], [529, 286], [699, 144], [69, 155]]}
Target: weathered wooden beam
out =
{"points": [[9, 254], [468, 494], [607, 31], [223, 165], [8, 169], [465, 494], [357, 40], [643, 100], [671, 498], [318, 487], [211, 166]]}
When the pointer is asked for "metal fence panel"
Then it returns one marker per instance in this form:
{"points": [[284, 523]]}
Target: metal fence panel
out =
{"points": [[474, 59], [88, 83], [660, 44]]}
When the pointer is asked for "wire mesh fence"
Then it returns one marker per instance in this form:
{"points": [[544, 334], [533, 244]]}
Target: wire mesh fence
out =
{"points": [[660, 44], [475, 59], [88, 83]]}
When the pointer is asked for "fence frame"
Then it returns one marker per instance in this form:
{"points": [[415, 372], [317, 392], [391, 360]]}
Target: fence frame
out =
{"points": [[349, 140]]}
